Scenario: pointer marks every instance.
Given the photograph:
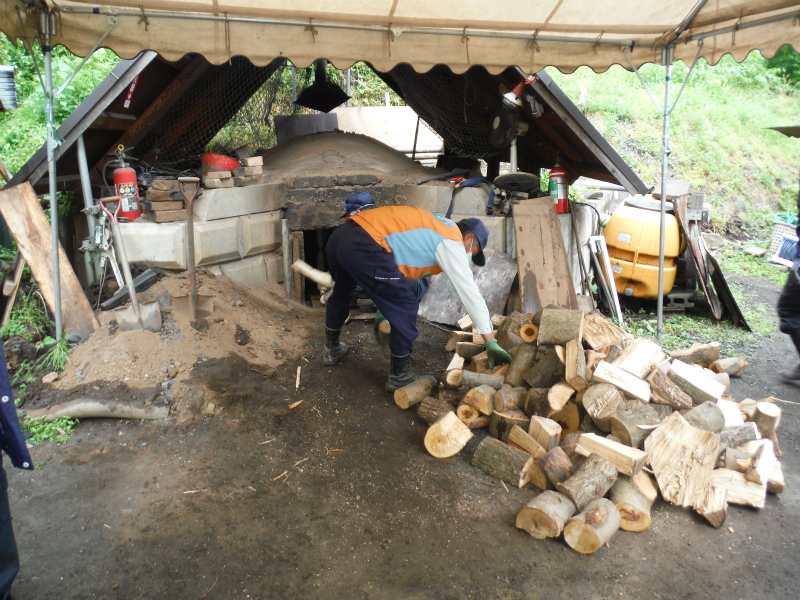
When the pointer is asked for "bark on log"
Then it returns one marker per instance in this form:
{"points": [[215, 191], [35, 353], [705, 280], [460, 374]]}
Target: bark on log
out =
{"points": [[545, 431], [706, 417], [735, 460], [452, 397], [557, 398], [665, 391], [569, 418], [601, 401], [503, 462], [575, 365], [447, 436], [529, 333], [500, 423], [413, 393], [556, 465], [633, 506], [522, 361], [546, 515], [628, 461], [548, 371], [474, 380], [482, 398], [508, 398], [467, 350], [535, 401], [731, 437], [591, 481], [698, 354], [569, 443], [714, 505], [626, 425], [733, 366], [517, 438], [587, 531], [431, 409], [559, 325], [640, 357]]}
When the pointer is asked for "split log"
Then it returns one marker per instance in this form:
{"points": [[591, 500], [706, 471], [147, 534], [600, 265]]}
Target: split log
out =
{"points": [[467, 350], [480, 363], [665, 391], [763, 462], [529, 333], [593, 359], [722, 378], [640, 357], [682, 458], [588, 426], [452, 375], [740, 490], [730, 413], [767, 417], [776, 484], [511, 343], [503, 462], [706, 417], [714, 505], [465, 323], [500, 423], [455, 338], [633, 506], [646, 485], [700, 387], [545, 516], [627, 383], [569, 443], [522, 361], [628, 461], [601, 401], [471, 416], [519, 438], [599, 332], [508, 328], [556, 465], [548, 371], [736, 460], [612, 353], [587, 531], [498, 320], [594, 478], [413, 393], [431, 409], [557, 398], [500, 371], [535, 401], [575, 365], [508, 398], [733, 366], [748, 408], [698, 354], [634, 426], [569, 418], [545, 431], [447, 436], [662, 410], [731, 437], [482, 398], [559, 325]]}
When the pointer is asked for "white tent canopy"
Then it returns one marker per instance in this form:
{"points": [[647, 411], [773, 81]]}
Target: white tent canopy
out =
{"points": [[530, 34]]}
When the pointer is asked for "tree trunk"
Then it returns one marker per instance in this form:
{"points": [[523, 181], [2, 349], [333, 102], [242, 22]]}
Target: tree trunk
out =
{"points": [[633, 507], [545, 516], [431, 409], [591, 481], [413, 393], [601, 402], [587, 531], [447, 436], [556, 465], [503, 462], [521, 362]]}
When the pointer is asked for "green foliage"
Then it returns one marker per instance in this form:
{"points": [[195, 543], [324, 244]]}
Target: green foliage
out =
{"points": [[54, 359], [29, 316], [42, 431], [733, 259], [786, 63]]}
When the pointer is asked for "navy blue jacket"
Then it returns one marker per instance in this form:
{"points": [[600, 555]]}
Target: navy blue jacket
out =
{"points": [[12, 442]]}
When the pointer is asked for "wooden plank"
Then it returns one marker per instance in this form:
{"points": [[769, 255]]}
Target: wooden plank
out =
{"points": [[28, 225], [544, 277]]}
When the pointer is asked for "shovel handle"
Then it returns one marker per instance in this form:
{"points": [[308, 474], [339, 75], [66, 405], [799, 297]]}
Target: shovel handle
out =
{"points": [[112, 216], [182, 181]]}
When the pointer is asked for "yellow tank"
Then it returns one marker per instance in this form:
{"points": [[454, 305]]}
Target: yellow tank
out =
{"points": [[632, 237]]}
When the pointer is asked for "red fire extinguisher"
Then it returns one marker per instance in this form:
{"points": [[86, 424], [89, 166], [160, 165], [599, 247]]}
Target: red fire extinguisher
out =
{"points": [[127, 190], [558, 189]]}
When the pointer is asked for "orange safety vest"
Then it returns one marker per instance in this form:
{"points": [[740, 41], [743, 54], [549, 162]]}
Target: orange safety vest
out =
{"points": [[410, 234]]}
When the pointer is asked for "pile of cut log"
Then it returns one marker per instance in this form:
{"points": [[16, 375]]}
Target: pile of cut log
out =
{"points": [[602, 422], [163, 202], [250, 173]]}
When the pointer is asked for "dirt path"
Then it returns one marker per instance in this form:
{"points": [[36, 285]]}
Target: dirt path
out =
{"points": [[337, 498]]}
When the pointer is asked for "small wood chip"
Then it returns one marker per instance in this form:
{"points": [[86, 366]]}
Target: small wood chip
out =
{"points": [[296, 404]]}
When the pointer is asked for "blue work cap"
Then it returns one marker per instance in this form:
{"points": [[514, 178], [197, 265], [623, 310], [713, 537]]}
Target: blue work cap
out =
{"points": [[481, 233], [356, 202]]}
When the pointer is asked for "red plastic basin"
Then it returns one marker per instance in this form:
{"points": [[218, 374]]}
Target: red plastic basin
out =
{"points": [[217, 162]]}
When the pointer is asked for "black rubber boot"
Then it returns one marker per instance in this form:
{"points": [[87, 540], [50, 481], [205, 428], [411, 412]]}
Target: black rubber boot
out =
{"points": [[793, 375], [400, 373], [334, 349]]}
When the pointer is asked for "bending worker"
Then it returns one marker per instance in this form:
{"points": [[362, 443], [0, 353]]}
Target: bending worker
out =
{"points": [[378, 249]]}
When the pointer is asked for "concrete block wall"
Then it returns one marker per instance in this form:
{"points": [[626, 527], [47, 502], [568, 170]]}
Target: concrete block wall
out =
{"points": [[253, 270]]}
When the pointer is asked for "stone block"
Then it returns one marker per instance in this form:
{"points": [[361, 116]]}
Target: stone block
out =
{"points": [[253, 161], [259, 233], [436, 198], [165, 185], [216, 241], [217, 175], [161, 245], [322, 208], [274, 265], [251, 271], [247, 171], [235, 202], [243, 180]]}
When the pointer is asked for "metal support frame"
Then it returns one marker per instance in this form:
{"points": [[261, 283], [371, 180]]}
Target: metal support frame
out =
{"points": [[88, 202]]}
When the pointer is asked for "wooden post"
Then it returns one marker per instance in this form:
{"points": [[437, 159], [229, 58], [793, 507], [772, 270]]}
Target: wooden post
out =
{"points": [[545, 516]]}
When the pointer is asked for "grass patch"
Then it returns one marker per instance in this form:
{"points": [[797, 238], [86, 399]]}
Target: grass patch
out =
{"points": [[54, 359], [28, 317], [42, 431], [733, 259]]}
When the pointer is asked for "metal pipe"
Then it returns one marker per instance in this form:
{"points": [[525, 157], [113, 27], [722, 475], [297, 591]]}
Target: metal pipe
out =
{"points": [[51, 164], [347, 90], [88, 202], [668, 57], [112, 22]]}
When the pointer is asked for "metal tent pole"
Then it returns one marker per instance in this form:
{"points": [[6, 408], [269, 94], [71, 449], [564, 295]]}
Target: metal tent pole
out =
{"points": [[668, 57], [88, 202], [47, 27]]}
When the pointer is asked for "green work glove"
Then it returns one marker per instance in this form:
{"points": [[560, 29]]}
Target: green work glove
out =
{"points": [[378, 318], [497, 356]]}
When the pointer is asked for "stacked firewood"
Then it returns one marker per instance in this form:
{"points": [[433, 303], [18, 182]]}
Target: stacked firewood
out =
{"points": [[602, 422]]}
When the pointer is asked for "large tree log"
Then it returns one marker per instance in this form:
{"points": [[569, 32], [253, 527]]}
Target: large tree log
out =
{"points": [[503, 462], [482, 398], [628, 461], [587, 531], [594, 478], [545, 516], [431, 409], [508, 398], [575, 365], [706, 417], [633, 426], [601, 401], [694, 382], [698, 354], [633, 506], [559, 325], [640, 357], [682, 458], [599, 332], [627, 383], [665, 391], [733, 366], [545, 431], [740, 490], [548, 371], [714, 505], [556, 465], [447, 436], [500, 423], [522, 361], [413, 393]]}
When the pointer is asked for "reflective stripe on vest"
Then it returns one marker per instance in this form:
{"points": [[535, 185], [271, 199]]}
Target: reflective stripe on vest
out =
{"points": [[410, 234]]}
